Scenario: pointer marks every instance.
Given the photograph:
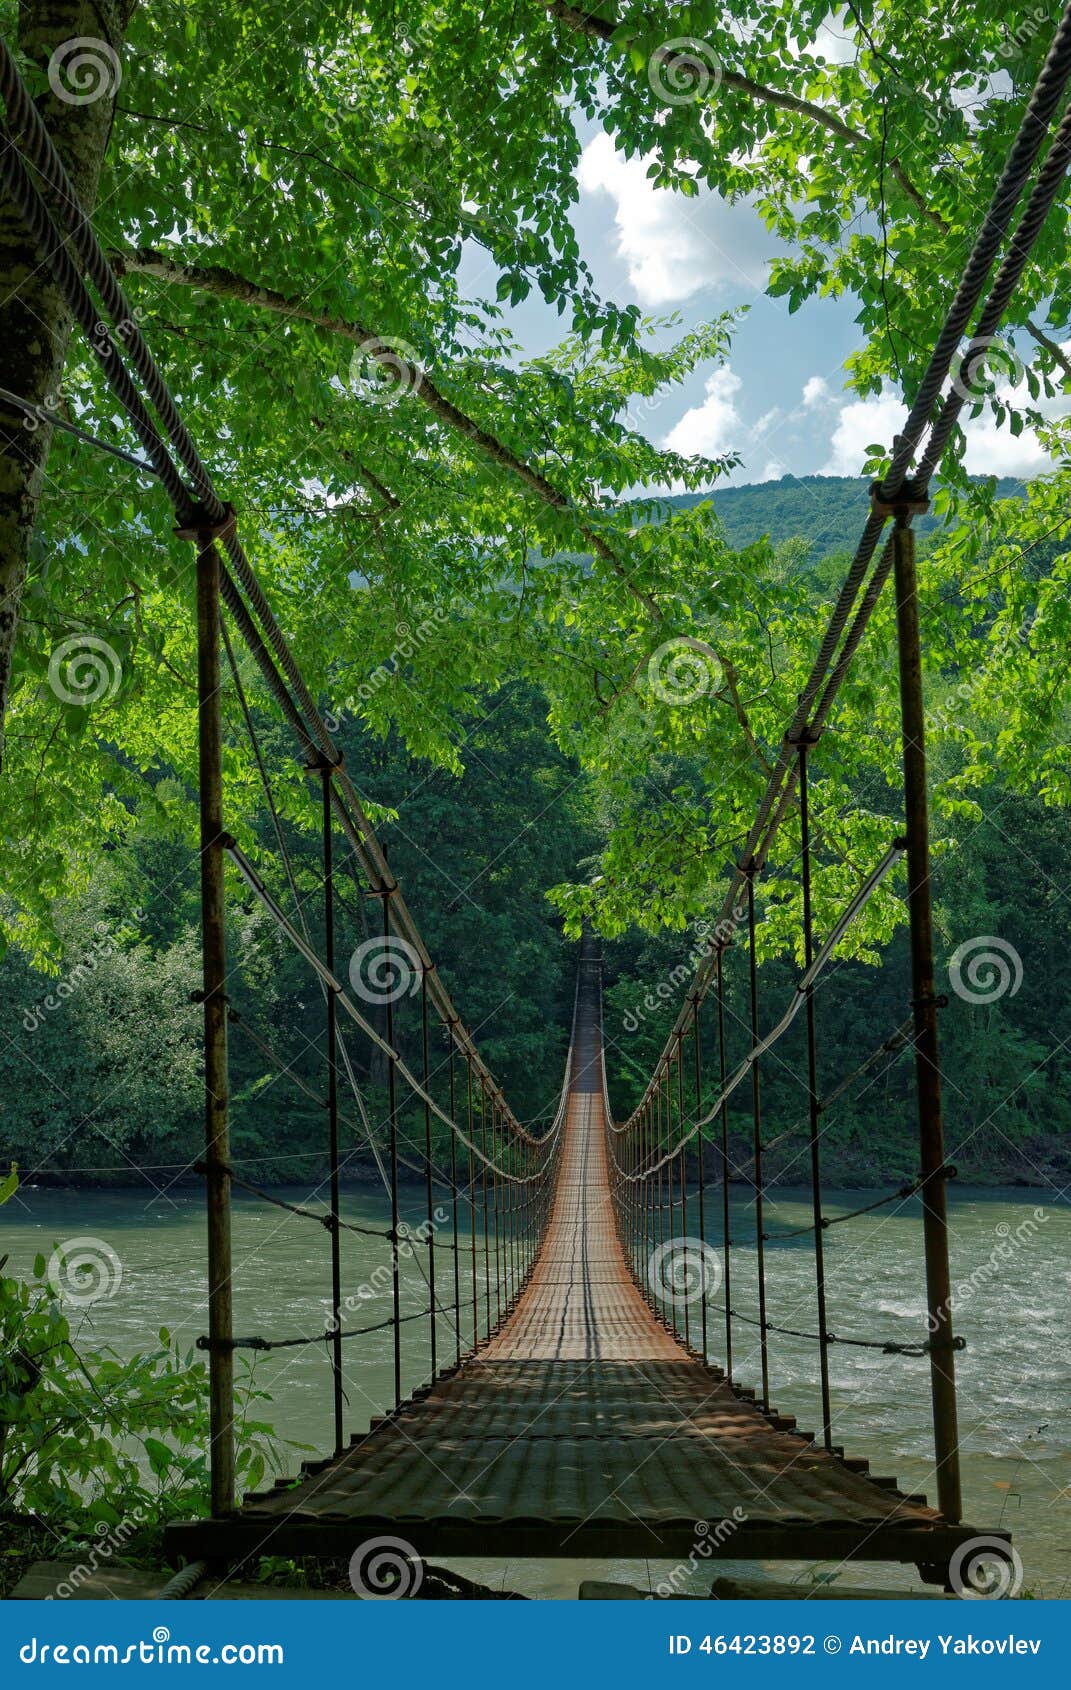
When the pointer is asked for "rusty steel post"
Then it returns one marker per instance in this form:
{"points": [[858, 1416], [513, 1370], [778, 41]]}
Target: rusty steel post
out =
{"points": [[699, 1158], [726, 1239], [684, 1184], [454, 1199], [756, 1110], [669, 1195], [428, 1195], [815, 1110], [486, 1226], [392, 1111], [472, 1208], [214, 973], [332, 1110], [927, 1055], [496, 1185]]}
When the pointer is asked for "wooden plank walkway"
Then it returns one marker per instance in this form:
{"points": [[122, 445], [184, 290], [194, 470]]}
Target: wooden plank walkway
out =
{"points": [[582, 1428]]}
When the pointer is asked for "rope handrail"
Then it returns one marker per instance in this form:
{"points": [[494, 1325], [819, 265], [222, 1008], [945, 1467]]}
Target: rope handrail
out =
{"points": [[31, 138], [345, 1002], [439, 1176], [887, 1346], [910, 1188], [799, 997], [328, 1337], [892, 1046], [325, 1217], [1049, 88]]}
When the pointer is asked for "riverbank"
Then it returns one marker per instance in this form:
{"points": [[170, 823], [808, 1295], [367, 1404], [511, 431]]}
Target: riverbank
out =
{"points": [[1035, 1164]]}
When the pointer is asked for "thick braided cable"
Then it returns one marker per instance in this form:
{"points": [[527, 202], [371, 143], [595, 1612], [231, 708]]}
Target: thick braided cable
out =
{"points": [[36, 143], [1042, 198], [1048, 92]]}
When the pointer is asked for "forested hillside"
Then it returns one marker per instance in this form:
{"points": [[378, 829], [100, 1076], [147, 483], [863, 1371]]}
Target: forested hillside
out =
{"points": [[561, 692], [823, 509], [101, 1071]]}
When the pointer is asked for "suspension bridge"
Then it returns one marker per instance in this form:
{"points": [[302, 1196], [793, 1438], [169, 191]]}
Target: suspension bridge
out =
{"points": [[572, 1406], [583, 1426]]}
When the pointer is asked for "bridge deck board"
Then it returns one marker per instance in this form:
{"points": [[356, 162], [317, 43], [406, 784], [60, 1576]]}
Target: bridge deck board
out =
{"points": [[584, 1427]]}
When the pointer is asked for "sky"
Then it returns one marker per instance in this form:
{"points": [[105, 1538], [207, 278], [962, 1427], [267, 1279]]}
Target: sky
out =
{"points": [[780, 400]]}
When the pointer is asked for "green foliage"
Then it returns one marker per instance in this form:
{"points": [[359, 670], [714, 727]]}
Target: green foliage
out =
{"points": [[487, 518], [322, 200], [89, 1439], [103, 1069]]}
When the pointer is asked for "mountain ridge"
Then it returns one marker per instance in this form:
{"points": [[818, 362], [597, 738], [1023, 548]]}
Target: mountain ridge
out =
{"points": [[833, 521]]}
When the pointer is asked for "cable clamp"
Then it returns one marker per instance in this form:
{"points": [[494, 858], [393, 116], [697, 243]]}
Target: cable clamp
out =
{"points": [[225, 1346], [912, 499], [203, 526], [319, 763]]}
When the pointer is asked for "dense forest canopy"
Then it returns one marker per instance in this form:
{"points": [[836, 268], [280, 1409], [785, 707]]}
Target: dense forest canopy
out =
{"points": [[461, 539]]}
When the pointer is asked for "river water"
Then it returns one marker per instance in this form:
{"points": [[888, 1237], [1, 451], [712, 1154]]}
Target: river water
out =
{"points": [[1011, 1277]]}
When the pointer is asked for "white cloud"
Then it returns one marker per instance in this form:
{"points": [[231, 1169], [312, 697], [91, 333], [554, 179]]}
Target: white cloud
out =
{"points": [[775, 470], [991, 449], [836, 40], [715, 425], [862, 423], [816, 391], [672, 246]]}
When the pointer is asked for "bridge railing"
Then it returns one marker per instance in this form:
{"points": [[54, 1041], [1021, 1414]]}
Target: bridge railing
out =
{"points": [[497, 1168], [486, 1209], [649, 1150], [512, 1168]]}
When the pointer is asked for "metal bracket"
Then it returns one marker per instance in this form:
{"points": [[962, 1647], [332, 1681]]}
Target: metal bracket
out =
{"points": [[319, 763], [203, 526], [912, 499]]}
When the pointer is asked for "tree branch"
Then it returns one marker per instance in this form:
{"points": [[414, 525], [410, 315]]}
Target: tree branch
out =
{"points": [[603, 29], [1055, 351], [227, 284]]}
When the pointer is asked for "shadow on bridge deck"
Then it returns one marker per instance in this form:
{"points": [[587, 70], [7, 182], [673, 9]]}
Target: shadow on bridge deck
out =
{"points": [[582, 1428]]}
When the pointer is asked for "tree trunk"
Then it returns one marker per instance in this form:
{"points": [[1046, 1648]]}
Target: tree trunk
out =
{"points": [[77, 43]]}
